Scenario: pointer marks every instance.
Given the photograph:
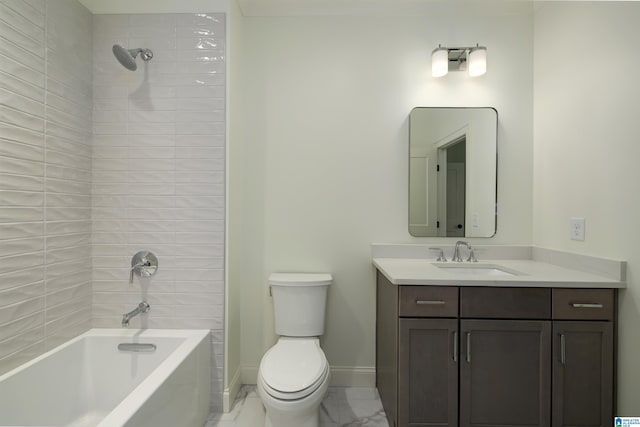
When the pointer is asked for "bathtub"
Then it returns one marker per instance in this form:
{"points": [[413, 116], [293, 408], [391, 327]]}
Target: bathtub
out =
{"points": [[88, 381]]}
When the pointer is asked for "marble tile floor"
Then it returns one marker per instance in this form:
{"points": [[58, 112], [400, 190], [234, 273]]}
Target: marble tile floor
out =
{"points": [[342, 407]]}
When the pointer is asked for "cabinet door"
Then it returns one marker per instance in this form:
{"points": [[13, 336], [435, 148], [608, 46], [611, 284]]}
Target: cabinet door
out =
{"points": [[582, 373], [505, 372], [428, 373]]}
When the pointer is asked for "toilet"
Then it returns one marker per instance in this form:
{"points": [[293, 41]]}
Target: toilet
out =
{"points": [[294, 374]]}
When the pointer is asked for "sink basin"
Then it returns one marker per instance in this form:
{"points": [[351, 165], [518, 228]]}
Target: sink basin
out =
{"points": [[477, 269]]}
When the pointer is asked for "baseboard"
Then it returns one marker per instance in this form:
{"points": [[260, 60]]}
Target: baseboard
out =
{"points": [[341, 376], [229, 394], [353, 376]]}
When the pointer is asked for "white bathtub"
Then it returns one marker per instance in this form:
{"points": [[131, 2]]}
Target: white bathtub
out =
{"points": [[87, 381]]}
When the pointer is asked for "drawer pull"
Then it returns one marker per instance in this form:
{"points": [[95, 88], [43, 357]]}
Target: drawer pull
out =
{"points": [[586, 305], [429, 302]]}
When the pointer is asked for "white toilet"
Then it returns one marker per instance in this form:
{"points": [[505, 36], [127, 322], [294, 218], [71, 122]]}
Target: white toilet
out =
{"points": [[294, 374]]}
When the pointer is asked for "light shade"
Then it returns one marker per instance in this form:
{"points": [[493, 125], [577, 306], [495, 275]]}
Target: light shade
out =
{"points": [[440, 62], [477, 61]]}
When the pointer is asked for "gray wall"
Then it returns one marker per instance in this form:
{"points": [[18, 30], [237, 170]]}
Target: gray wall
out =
{"points": [[152, 179], [45, 164], [158, 173]]}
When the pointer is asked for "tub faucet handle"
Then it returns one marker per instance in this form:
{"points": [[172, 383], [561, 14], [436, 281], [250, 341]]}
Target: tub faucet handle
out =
{"points": [[144, 264], [132, 270]]}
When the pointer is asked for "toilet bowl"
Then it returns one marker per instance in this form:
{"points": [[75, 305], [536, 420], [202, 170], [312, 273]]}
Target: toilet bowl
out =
{"points": [[292, 381], [294, 374]]}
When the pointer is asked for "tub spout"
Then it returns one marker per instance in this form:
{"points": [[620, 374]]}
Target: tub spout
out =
{"points": [[143, 307]]}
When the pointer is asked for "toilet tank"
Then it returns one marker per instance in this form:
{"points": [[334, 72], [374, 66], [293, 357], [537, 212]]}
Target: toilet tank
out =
{"points": [[299, 302]]}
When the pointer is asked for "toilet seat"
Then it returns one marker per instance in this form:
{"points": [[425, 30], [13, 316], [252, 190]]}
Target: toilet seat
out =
{"points": [[293, 396], [293, 368]]}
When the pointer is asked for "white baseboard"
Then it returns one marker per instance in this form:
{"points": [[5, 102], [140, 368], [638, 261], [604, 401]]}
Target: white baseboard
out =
{"points": [[353, 376], [229, 394], [341, 376]]}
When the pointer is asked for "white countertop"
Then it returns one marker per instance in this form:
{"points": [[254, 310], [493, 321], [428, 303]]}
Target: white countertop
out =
{"points": [[529, 273]]}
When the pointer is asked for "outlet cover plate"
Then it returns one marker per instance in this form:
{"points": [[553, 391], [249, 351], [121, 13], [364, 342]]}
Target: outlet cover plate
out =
{"points": [[577, 229]]}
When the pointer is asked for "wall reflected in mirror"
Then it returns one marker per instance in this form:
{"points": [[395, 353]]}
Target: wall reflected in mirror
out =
{"points": [[452, 172]]}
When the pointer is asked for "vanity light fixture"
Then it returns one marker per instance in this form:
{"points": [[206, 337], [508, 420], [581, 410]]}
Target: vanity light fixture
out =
{"points": [[440, 62], [466, 58]]}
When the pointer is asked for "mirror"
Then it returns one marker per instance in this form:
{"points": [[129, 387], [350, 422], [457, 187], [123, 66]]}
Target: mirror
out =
{"points": [[452, 172]]}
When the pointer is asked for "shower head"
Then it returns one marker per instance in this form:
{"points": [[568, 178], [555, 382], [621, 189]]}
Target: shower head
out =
{"points": [[127, 57]]}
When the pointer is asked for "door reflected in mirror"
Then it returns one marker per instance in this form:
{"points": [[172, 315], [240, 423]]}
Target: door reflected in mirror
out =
{"points": [[452, 172]]}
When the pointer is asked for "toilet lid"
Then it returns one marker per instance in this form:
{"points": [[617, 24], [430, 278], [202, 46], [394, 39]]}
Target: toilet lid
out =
{"points": [[293, 364], [302, 394]]}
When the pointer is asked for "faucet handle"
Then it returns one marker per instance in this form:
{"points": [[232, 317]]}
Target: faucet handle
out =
{"points": [[144, 264], [472, 255], [441, 257]]}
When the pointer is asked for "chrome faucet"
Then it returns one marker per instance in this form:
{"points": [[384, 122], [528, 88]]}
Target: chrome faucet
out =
{"points": [[143, 307], [456, 251]]}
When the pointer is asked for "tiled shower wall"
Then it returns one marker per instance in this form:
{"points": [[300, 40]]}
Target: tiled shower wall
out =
{"points": [[45, 163], [158, 173]]}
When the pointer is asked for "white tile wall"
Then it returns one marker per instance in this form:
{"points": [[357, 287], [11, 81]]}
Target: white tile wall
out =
{"points": [[45, 163], [158, 173]]}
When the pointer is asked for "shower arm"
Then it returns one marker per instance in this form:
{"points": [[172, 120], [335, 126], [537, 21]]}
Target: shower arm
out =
{"points": [[145, 54]]}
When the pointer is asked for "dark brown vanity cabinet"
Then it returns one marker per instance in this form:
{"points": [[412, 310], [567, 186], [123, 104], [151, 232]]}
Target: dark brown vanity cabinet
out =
{"points": [[486, 356]]}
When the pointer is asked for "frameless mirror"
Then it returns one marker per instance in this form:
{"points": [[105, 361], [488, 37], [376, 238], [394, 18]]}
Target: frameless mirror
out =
{"points": [[452, 172]]}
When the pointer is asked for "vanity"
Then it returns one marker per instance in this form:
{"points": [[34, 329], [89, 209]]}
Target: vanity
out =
{"points": [[525, 337]]}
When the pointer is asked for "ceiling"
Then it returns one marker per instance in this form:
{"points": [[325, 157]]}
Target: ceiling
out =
{"points": [[380, 7], [316, 7]]}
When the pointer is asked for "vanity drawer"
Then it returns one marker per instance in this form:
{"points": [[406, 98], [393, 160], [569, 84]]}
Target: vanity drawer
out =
{"points": [[583, 304], [505, 303], [428, 301]]}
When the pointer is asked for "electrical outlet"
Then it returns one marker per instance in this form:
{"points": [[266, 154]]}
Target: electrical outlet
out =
{"points": [[577, 229], [474, 220]]}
